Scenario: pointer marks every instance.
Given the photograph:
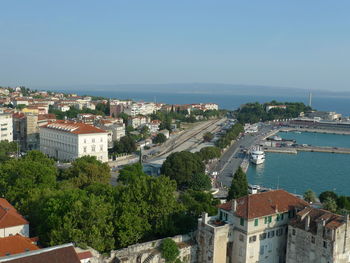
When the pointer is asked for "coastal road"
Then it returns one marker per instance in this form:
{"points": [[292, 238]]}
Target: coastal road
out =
{"points": [[233, 157]]}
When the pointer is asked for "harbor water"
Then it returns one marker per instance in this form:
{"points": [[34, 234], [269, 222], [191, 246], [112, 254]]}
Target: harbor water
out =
{"points": [[306, 170]]}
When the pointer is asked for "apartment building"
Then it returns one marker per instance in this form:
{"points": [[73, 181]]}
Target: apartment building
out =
{"points": [[6, 127], [318, 236], [138, 121], [250, 229], [67, 140]]}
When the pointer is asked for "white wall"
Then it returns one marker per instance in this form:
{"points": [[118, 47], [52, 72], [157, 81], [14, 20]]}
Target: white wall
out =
{"points": [[23, 230], [6, 128]]}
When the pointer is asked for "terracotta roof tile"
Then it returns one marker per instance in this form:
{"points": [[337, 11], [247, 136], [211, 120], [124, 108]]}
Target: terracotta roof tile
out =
{"points": [[58, 254], [332, 221], [15, 244], [73, 127], [9, 216], [85, 255], [266, 203]]}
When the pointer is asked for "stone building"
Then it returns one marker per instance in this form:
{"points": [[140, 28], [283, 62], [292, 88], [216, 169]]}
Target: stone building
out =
{"points": [[250, 229], [317, 235]]}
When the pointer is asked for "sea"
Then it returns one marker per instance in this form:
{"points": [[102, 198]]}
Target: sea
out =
{"points": [[225, 101], [306, 170], [294, 173]]}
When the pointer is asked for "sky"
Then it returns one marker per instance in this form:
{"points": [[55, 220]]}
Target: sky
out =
{"points": [[301, 44]]}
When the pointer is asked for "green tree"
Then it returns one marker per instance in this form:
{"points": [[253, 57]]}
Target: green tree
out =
{"points": [[208, 136], [130, 173], [126, 144], [199, 182], [328, 194], [239, 185], [74, 216], [330, 204], [310, 196], [208, 153], [169, 250], [159, 138], [182, 166], [87, 170], [145, 132], [7, 149]]}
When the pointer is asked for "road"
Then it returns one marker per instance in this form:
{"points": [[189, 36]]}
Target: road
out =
{"points": [[233, 157]]}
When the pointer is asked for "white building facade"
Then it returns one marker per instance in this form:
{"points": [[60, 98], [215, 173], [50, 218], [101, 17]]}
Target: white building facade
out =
{"points": [[67, 141], [250, 229], [6, 127]]}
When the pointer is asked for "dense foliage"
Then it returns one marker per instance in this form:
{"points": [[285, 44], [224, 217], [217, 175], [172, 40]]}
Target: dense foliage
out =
{"points": [[7, 149], [159, 138], [183, 167], [169, 250], [208, 136], [209, 153], [239, 185], [126, 144], [230, 135], [255, 112], [79, 205], [101, 109]]}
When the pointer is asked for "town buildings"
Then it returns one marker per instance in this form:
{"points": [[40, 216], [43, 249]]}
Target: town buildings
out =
{"points": [[317, 235], [250, 229], [6, 127], [68, 140]]}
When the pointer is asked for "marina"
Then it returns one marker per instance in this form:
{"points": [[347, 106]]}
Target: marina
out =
{"points": [[306, 166]]}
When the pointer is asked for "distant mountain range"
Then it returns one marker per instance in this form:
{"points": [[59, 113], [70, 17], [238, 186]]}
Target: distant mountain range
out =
{"points": [[201, 88]]}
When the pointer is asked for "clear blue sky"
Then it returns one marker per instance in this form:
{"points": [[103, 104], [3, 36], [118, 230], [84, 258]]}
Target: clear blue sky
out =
{"points": [[299, 43]]}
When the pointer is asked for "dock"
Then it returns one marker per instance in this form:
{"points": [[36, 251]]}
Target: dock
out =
{"points": [[296, 149]]}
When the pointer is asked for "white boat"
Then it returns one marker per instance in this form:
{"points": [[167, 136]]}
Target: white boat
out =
{"points": [[257, 156]]}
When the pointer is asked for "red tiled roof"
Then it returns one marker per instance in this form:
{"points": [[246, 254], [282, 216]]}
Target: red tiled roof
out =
{"points": [[73, 127], [59, 254], [15, 244], [85, 255], [50, 116], [263, 204], [332, 221], [9, 216]]}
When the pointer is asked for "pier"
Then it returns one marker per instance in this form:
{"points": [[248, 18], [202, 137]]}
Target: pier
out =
{"points": [[294, 150]]}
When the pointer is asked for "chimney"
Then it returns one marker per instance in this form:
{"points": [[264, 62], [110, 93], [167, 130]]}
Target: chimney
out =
{"points": [[307, 223], [276, 208], [234, 206]]}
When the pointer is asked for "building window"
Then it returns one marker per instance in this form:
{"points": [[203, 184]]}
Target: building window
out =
{"points": [[265, 220], [252, 239], [84, 140], [262, 250], [279, 232], [101, 148], [93, 148], [93, 140], [85, 149], [262, 236], [241, 237], [241, 221], [270, 219], [313, 240], [325, 244], [293, 232], [279, 217], [271, 234], [256, 222], [101, 140]]}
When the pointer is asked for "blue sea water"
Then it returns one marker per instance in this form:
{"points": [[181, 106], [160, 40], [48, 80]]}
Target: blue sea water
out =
{"points": [[306, 170], [225, 101], [318, 139]]}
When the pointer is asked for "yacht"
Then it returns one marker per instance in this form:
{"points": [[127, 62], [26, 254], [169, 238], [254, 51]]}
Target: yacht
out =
{"points": [[257, 156]]}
